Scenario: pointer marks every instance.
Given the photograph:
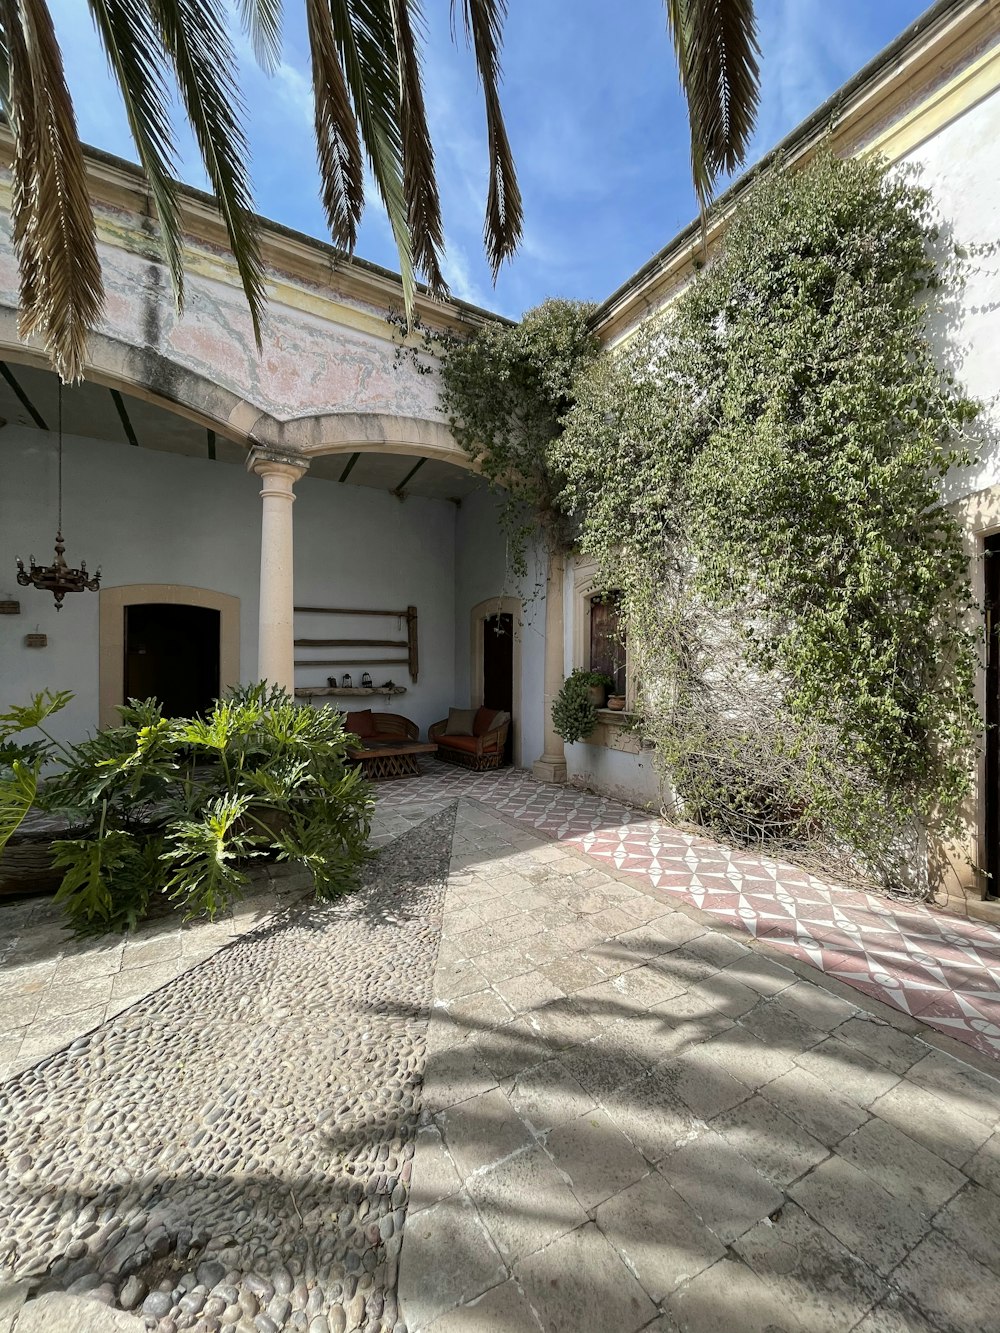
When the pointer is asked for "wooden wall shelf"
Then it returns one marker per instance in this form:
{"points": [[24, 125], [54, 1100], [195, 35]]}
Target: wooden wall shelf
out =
{"points": [[407, 645], [325, 691]]}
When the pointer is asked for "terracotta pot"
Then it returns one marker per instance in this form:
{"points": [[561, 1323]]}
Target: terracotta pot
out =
{"points": [[616, 702], [597, 695]]}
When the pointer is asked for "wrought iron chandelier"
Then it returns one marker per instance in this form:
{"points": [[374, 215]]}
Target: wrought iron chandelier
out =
{"points": [[58, 578]]}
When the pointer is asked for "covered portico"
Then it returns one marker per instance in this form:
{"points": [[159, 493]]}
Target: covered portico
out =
{"points": [[340, 411]]}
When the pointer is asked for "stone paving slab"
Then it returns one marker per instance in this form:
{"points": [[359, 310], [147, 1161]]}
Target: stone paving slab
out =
{"points": [[910, 956], [682, 1140]]}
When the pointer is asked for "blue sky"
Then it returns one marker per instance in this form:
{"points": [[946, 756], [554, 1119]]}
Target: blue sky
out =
{"points": [[594, 112]]}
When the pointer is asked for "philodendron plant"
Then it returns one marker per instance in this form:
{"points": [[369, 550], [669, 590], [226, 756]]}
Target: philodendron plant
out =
{"points": [[177, 808]]}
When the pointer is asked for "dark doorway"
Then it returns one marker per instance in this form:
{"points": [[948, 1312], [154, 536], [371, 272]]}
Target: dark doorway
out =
{"points": [[498, 670], [992, 578], [172, 654]]}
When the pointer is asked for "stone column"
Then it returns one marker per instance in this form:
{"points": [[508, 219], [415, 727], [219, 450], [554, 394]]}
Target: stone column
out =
{"points": [[276, 633], [551, 767]]}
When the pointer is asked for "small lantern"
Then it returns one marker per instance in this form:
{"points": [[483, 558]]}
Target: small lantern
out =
{"points": [[366, 680], [347, 683]]}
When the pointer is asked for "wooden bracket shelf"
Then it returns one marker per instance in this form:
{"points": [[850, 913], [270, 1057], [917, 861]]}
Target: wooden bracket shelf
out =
{"points": [[409, 644]]}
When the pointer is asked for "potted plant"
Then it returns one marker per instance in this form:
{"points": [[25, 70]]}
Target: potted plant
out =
{"points": [[574, 709], [175, 810], [616, 702]]}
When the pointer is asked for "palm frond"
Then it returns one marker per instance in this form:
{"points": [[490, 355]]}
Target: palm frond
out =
{"points": [[367, 45], [484, 21], [717, 56], [338, 143], [197, 42], [135, 58], [261, 20], [61, 293], [419, 181]]}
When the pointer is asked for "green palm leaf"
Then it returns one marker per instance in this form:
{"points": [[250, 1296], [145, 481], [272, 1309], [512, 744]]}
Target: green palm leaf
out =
{"points": [[261, 20], [338, 144], [61, 290], [135, 57], [504, 214], [197, 42], [367, 44], [717, 56]]}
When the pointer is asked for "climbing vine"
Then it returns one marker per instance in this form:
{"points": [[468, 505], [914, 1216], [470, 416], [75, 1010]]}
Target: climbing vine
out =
{"points": [[506, 391], [758, 472]]}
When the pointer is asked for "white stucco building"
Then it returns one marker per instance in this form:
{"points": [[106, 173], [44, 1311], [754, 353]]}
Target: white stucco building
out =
{"points": [[184, 452]]}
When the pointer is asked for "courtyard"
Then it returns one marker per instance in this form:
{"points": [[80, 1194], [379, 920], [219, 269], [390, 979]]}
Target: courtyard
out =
{"points": [[509, 1084]]}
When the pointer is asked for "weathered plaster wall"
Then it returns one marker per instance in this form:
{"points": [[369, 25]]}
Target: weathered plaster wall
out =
{"points": [[151, 517], [481, 573], [326, 351]]}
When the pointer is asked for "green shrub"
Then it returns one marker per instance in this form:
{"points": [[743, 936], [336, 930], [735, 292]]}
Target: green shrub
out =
{"points": [[176, 809], [574, 714]]}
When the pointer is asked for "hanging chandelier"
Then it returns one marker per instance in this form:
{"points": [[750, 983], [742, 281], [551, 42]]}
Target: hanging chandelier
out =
{"points": [[58, 578]]}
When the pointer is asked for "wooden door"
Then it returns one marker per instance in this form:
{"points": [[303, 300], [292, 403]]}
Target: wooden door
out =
{"points": [[498, 670], [992, 583]]}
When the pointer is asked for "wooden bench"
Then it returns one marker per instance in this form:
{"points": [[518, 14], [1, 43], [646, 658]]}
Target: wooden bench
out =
{"points": [[390, 744]]}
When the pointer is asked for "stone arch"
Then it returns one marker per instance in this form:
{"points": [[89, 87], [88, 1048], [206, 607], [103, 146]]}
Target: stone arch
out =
{"points": [[145, 373]]}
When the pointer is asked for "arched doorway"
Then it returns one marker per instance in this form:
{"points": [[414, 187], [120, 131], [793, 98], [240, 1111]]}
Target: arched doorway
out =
{"points": [[495, 661], [178, 644]]}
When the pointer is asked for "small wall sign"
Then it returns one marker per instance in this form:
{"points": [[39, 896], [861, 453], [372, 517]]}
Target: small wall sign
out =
{"points": [[10, 608], [36, 641]]}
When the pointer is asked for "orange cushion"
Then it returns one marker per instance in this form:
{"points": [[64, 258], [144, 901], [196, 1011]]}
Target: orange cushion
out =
{"points": [[361, 723], [483, 721], [467, 743]]}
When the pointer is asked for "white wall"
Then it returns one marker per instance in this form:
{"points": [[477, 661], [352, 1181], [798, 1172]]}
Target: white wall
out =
{"points": [[356, 547], [960, 165], [481, 573], [150, 517]]}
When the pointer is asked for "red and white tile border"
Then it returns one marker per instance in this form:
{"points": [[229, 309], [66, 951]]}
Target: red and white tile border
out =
{"points": [[941, 969]]}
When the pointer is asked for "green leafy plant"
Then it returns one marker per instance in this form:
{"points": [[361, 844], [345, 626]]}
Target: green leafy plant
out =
{"points": [[506, 390], [758, 471], [574, 713], [173, 811]]}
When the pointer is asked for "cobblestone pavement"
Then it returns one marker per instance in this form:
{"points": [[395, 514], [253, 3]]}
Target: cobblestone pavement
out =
{"points": [[54, 987], [233, 1150], [635, 1118], [928, 963]]}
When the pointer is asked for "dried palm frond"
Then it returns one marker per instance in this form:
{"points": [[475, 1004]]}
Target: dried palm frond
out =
{"points": [[55, 239], [717, 56], [504, 217]]}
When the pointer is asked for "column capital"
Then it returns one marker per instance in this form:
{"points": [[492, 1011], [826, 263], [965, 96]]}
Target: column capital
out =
{"points": [[276, 463]]}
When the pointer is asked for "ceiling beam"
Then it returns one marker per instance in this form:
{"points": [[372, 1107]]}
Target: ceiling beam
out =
{"points": [[123, 416], [398, 490], [350, 463], [25, 401]]}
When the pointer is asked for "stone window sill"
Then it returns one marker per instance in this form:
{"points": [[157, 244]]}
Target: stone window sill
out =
{"points": [[612, 731]]}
